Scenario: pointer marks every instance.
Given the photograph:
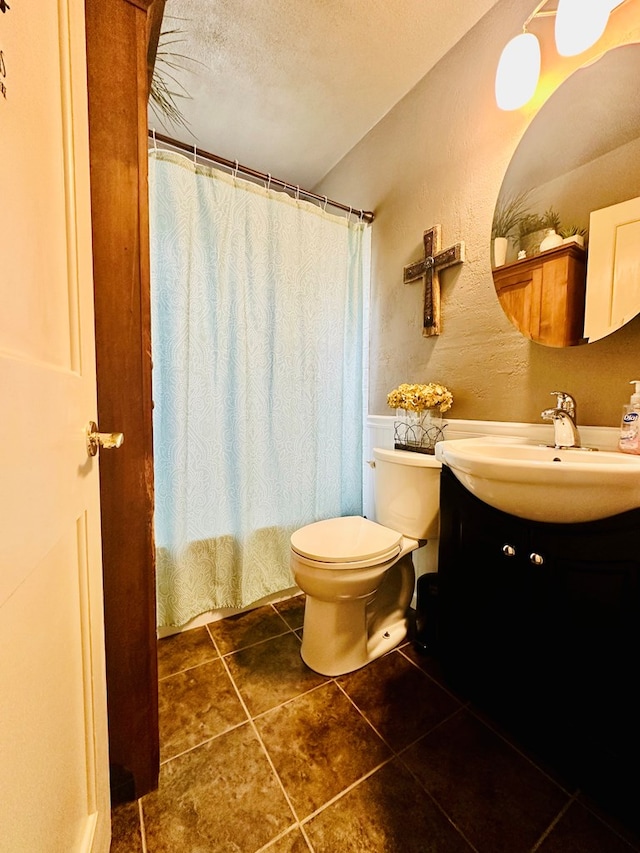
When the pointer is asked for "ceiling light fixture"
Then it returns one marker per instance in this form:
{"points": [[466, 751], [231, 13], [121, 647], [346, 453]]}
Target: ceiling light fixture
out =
{"points": [[579, 25], [518, 72]]}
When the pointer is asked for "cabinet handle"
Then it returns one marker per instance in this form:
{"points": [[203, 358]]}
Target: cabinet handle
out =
{"points": [[508, 550], [536, 559]]}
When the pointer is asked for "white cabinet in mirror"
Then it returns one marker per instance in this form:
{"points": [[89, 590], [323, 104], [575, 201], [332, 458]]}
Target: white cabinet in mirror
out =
{"points": [[613, 273]]}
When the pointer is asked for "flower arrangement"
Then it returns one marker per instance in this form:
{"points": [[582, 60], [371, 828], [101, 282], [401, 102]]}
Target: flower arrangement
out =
{"points": [[418, 398]]}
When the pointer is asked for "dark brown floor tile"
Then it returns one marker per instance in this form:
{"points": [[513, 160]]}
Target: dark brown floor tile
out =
{"points": [[319, 745], [245, 629], [196, 705], [292, 842], [495, 796], [398, 699], [125, 829], [430, 664], [292, 611], [271, 673], [388, 812], [222, 796], [621, 811], [535, 750], [180, 651], [580, 831]]}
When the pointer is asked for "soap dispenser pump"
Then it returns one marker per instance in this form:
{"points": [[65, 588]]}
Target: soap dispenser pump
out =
{"points": [[630, 428]]}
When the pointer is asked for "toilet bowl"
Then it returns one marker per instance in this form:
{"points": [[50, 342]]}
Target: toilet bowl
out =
{"points": [[358, 574]]}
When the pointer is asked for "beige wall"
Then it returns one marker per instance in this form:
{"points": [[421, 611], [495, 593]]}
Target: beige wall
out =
{"points": [[439, 157]]}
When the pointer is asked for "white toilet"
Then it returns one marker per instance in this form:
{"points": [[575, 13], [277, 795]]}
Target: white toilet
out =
{"points": [[358, 575]]}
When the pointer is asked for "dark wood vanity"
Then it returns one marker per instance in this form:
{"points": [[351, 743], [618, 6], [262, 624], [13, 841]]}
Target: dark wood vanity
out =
{"points": [[539, 626], [544, 296]]}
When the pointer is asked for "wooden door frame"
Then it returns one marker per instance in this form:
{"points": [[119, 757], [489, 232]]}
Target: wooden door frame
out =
{"points": [[122, 38]]}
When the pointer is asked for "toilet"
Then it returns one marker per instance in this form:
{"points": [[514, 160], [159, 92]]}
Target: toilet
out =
{"points": [[358, 575]]}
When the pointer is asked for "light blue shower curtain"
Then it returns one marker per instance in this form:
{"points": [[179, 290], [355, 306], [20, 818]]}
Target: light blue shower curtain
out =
{"points": [[257, 329]]}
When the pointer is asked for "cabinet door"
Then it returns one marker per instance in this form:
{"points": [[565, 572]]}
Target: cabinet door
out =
{"points": [[593, 611], [490, 599], [519, 290]]}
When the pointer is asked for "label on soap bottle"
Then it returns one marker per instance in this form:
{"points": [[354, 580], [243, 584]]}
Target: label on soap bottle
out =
{"points": [[630, 431]]}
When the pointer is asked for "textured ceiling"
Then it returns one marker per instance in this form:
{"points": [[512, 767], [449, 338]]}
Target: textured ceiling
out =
{"points": [[288, 88]]}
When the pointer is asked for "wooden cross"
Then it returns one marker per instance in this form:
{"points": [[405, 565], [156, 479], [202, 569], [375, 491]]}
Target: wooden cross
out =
{"points": [[428, 268]]}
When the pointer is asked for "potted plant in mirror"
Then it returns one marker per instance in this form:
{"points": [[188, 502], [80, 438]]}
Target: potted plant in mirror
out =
{"points": [[534, 228], [573, 234], [506, 218], [552, 238]]}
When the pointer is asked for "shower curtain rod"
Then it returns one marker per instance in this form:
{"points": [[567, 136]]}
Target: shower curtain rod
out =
{"points": [[234, 166]]}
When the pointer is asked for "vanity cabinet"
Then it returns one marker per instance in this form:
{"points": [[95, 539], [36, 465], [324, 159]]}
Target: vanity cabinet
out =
{"points": [[539, 624], [544, 296]]}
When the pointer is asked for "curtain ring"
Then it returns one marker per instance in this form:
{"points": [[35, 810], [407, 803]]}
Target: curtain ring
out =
{"points": [[298, 193], [268, 181], [235, 170], [325, 204], [153, 134], [195, 154]]}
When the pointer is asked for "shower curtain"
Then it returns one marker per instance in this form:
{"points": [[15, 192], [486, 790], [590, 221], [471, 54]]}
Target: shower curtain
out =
{"points": [[258, 306]]}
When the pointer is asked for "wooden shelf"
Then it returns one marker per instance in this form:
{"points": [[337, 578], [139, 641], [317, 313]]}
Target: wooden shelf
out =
{"points": [[544, 295]]}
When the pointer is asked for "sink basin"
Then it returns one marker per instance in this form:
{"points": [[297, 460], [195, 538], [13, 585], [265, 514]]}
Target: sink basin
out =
{"points": [[543, 483]]}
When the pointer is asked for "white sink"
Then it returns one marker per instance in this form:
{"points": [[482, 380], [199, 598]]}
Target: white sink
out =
{"points": [[543, 483]]}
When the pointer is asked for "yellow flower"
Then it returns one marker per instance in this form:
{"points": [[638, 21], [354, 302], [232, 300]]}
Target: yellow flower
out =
{"points": [[417, 398]]}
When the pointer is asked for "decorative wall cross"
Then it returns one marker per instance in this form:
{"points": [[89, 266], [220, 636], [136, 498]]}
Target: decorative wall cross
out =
{"points": [[428, 269]]}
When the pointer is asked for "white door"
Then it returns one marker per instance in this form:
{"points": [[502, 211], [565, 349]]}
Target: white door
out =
{"points": [[613, 268], [54, 787]]}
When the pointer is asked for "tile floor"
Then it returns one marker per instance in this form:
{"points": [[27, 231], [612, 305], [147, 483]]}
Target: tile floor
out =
{"points": [[259, 753]]}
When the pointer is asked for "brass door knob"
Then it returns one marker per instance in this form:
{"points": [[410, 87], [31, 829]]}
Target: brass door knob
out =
{"points": [[96, 440]]}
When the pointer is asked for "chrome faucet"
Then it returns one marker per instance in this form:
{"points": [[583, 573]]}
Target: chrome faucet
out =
{"points": [[565, 432]]}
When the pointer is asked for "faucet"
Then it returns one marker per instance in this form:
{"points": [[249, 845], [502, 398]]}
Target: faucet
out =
{"points": [[565, 432]]}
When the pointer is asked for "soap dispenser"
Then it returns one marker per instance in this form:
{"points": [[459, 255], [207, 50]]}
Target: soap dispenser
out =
{"points": [[630, 428]]}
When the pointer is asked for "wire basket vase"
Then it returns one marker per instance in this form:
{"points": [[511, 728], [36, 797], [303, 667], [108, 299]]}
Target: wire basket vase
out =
{"points": [[418, 431]]}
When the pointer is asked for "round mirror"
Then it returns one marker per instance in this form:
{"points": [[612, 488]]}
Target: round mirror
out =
{"points": [[565, 250]]}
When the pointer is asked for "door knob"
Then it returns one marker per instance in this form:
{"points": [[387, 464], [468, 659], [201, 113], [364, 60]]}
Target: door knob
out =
{"points": [[96, 440]]}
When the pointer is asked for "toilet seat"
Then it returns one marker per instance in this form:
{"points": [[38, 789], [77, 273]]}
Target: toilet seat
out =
{"points": [[346, 543]]}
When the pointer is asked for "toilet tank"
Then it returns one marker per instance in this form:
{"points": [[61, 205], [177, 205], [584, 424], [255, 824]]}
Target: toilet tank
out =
{"points": [[407, 492]]}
